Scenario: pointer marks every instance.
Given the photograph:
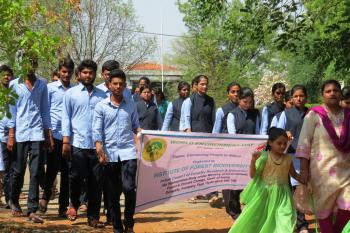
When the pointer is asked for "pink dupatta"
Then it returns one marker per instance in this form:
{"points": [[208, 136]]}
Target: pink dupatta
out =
{"points": [[342, 143]]}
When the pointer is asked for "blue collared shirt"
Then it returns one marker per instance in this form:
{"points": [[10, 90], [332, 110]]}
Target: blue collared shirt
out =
{"points": [[264, 121], [231, 128], [274, 122], [31, 113], [126, 93], [77, 115], [4, 130], [218, 121], [114, 126], [56, 92], [168, 117]]}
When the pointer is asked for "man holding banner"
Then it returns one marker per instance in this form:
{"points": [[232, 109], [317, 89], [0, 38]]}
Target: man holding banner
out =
{"points": [[114, 126]]}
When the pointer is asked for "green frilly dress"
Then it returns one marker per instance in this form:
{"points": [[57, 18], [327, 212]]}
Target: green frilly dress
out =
{"points": [[267, 199]]}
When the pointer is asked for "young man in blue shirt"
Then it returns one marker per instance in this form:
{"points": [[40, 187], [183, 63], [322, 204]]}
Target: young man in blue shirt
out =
{"points": [[78, 108], [30, 128], [6, 74], [114, 126], [55, 161]]}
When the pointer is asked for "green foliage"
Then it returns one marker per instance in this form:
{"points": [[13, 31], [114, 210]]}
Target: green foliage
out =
{"points": [[23, 39], [309, 40]]}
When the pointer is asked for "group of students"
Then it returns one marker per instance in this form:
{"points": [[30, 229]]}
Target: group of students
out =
{"points": [[90, 138]]}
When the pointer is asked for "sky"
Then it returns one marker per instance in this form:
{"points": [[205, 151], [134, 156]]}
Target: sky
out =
{"points": [[150, 13]]}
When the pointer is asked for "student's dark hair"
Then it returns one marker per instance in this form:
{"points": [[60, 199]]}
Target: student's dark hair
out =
{"points": [[299, 87], [66, 62], [287, 95], [278, 86], [90, 64], [245, 92], [158, 91], [146, 86], [6, 68], [273, 134], [182, 84], [110, 65], [147, 81], [201, 76], [54, 73], [346, 92], [116, 73], [330, 81], [195, 81], [232, 84]]}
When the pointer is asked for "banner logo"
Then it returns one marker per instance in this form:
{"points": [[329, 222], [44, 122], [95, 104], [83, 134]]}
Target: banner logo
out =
{"points": [[154, 149]]}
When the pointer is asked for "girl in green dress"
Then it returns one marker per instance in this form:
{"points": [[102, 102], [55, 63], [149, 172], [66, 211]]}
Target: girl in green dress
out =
{"points": [[267, 199]]}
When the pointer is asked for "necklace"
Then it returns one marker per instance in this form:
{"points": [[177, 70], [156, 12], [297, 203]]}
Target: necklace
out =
{"points": [[277, 162]]}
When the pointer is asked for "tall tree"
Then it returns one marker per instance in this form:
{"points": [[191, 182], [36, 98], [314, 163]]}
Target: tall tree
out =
{"points": [[108, 29]]}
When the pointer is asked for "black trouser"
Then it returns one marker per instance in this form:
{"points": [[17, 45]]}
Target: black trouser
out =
{"points": [[232, 204], [34, 151], [7, 158], [301, 221], [120, 177], [54, 163], [85, 165]]}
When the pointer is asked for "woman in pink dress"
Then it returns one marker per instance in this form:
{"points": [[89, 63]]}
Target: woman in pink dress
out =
{"points": [[324, 151]]}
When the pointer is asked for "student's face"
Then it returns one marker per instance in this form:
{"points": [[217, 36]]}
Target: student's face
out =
{"points": [[142, 83], [116, 86], [299, 98], [6, 77], [65, 74], [246, 103], [345, 103], [289, 103], [87, 76], [279, 145], [331, 95], [146, 95], [233, 94], [105, 75], [202, 86], [279, 94], [184, 92]]}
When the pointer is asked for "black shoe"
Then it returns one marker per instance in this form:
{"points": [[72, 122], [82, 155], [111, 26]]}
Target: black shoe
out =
{"points": [[129, 230]]}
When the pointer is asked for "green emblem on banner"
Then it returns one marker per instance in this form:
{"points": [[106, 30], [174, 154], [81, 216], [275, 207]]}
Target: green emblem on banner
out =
{"points": [[154, 149]]}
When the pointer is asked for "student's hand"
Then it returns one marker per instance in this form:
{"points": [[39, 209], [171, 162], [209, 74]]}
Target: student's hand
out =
{"points": [[102, 158], [256, 155], [49, 142], [10, 143], [66, 151]]}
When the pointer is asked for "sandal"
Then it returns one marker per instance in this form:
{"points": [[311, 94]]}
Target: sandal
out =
{"points": [[95, 223], [192, 200], [34, 218], [17, 213], [42, 205], [71, 214]]}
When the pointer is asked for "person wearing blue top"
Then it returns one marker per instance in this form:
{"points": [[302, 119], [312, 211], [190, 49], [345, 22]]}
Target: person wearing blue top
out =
{"points": [[244, 119], [291, 120], [114, 127], [199, 109], [77, 115], [55, 161], [173, 113], [220, 125], [288, 103], [272, 109], [30, 128], [107, 67], [6, 74]]}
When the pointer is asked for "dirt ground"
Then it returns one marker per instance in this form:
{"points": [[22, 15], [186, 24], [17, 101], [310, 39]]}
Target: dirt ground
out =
{"points": [[177, 217]]}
